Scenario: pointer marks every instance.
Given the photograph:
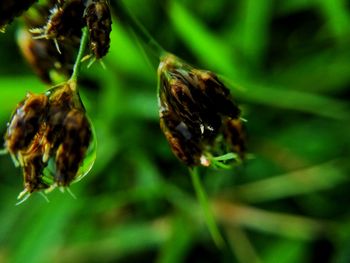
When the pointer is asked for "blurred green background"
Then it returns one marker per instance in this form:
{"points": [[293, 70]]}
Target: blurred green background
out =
{"points": [[288, 65]]}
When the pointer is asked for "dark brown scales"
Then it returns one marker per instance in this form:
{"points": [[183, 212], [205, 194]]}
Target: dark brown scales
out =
{"points": [[65, 22], [33, 165], [25, 122], [68, 21], [60, 105], [99, 23], [74, 144], [183, 144]]}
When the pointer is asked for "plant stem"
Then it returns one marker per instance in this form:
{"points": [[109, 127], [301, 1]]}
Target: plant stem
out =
{"points": [[208, 214], [125, 17], [77, 64]]}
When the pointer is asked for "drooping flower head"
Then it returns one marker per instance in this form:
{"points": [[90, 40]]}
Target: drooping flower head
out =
{"points": [[49, 136], [197, 113]]}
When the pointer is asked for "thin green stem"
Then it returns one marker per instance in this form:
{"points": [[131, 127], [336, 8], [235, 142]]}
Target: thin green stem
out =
{"points": [[124, 16], [208, 214], [77, 65]]}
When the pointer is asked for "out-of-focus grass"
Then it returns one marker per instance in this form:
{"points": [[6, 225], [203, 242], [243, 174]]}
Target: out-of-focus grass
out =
{"points": [[288, 65]]}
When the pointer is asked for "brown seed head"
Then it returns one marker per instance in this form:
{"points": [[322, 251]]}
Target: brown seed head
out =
{"points": [[65, 21], [49, 136], [194, 107], [99, 23]]}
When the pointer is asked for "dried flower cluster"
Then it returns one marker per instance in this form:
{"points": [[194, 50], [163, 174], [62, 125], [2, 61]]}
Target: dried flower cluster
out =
{"points": [[48, 136], [67, 18], [197, 114], [52, 31]]}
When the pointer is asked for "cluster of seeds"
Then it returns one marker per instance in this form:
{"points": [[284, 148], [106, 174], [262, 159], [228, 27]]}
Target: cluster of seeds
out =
{"points": [[197, 114], [51, 33], [48, 136]]}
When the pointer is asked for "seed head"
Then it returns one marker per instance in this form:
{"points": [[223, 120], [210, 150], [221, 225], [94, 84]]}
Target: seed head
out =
{"points": [[64, 22], [197, 113], [49, 136], [99, 23]]}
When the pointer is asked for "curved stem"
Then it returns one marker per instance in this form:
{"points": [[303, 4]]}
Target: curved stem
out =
{"points": [[208, 214], [124, 16], [77, 64]]}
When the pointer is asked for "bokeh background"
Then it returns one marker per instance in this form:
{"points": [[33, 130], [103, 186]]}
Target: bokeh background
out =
{"points": [[288, 66]]}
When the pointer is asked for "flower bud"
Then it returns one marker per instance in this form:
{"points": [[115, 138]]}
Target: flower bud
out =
{"points": [[196, 112]]}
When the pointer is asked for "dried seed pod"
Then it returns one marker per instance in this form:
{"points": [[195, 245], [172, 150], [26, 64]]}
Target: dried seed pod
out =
{"points": [[25, 122], [9, 9], [194, 109], [99, 23], [74, 144]]}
